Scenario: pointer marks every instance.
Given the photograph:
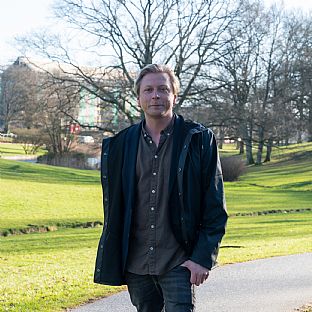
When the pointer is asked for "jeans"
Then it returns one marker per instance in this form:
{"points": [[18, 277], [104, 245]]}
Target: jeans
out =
{"points": [[172, 291]]}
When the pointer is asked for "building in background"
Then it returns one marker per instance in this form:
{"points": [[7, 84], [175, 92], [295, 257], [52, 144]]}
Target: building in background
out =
{"points": [[33, 89]]}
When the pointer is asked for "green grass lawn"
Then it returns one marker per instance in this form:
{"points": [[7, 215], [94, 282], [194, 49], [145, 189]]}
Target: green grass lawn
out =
{"points": [[272, 187], [284, 183], [44, 195], [53, 271], [256, 237], [10, 149], [49, 271], [13, 149], [279, 153]]}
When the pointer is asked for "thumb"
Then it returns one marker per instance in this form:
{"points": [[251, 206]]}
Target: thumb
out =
{"points": [[193, 278]]}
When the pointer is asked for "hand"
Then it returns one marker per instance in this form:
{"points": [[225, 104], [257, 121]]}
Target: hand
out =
{"points": [[198, 273]]}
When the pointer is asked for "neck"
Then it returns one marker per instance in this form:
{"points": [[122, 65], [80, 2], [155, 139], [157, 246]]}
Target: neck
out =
{"points": [[155, 126]]}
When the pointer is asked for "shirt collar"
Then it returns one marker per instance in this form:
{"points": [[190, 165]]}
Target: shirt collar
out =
{"points": [[168, 130]]}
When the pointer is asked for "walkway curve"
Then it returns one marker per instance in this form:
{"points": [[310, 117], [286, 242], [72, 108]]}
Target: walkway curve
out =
{"points": [[278, 284]]}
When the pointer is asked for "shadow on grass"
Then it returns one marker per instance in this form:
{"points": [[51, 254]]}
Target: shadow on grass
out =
{"points": [[51, 241], [284, 186], [288, 221], [284, 175]]}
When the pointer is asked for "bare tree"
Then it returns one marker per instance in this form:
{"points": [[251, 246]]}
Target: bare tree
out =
{"points": [[293, 79], [125, 35], [239, 69], [58, 100], [271, 56], [245, 73], [302, 77], [17, 97], [34, 100]]}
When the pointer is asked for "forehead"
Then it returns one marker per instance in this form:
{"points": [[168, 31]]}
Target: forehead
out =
{"points": [[152, 79]]}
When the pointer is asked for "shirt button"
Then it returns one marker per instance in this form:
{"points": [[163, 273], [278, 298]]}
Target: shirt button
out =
{"points": [[153, 191], [152, 226], [152, 208], [155, 156], [151, 248], [154, 173], [150, 142]]}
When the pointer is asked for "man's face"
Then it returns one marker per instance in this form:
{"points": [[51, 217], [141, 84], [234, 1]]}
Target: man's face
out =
{"points": [[156, 96]]}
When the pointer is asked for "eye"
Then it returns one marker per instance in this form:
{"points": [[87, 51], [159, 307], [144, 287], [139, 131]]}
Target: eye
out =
{"points": [[164, 89], [148, 90]]}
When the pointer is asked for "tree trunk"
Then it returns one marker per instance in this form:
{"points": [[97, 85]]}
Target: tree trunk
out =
{"points": [[249, 156], [241, 147], [269, 150], [299, 137], [237, 144], [259, 153], [310, 124], [6, 122], [6, 128], [248, 142], [241, 140], [260, 146], [221, 138], [301, 126]]}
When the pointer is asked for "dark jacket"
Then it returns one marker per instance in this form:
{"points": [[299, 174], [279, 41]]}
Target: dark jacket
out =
{"points": [[196, 202]]}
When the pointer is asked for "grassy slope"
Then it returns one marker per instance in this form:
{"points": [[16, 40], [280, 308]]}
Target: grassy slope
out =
{"points": [[52, 271], [283, 184], [46, 195], [9, 149], [49, 271], [12, 149]]}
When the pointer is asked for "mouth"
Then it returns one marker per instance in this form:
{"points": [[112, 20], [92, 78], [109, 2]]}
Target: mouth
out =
{"points": [[156, 105]]}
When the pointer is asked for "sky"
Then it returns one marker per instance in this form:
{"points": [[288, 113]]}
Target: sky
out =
{"points": [[19, 17]]}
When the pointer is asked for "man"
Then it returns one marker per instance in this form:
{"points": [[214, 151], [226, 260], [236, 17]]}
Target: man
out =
{"points": [[164, 204]]}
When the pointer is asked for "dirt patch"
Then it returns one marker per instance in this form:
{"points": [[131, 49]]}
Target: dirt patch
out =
{"points": [[305, 308], [269, 212], [32, 228]]}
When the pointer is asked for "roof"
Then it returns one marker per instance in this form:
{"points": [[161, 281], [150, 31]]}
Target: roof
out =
{"points": [[42, 65]]}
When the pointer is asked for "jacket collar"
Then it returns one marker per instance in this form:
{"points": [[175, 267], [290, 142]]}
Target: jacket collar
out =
{"points": [[131, 144], [180, 131]]}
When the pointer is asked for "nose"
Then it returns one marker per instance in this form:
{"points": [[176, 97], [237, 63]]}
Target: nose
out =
{"points": [[155, 94]]}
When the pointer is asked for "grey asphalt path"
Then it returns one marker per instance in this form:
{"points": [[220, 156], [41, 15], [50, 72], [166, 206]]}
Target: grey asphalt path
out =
{"points": [[278, 284]]}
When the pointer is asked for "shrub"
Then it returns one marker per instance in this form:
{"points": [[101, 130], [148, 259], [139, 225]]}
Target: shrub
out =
{"points": [[31, 139], [233, 167], [70, 159]]}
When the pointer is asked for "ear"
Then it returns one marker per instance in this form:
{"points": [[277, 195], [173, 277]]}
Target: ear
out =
{"points": [[138, 101], [174, 100]]}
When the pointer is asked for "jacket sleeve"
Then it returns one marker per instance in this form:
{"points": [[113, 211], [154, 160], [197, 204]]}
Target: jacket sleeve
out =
{"points": [[213, 208]]}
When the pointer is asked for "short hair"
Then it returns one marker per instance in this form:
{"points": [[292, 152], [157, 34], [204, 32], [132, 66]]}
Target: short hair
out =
{"points": [[157, 68]]}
